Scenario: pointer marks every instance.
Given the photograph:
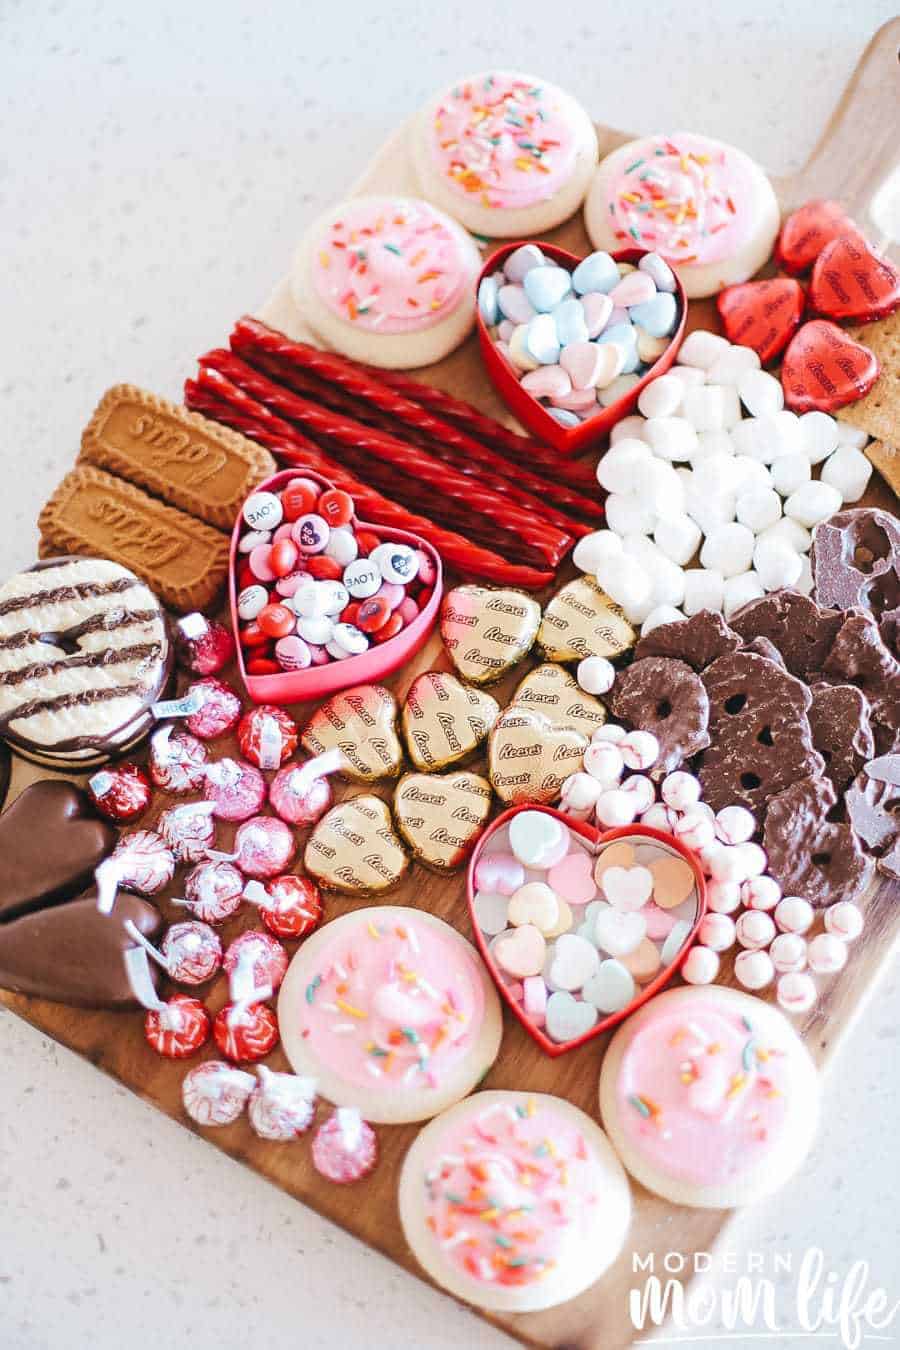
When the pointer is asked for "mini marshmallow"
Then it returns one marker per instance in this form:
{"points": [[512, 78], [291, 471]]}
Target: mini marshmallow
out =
{"points": [[761, 892], [755, 929], [628, 515], [614, 808], [628, 428], [666, 578], [826, 954], [678, 537], [796, 992], [639, 750], [733, 365], [790, 472], [615, 471], [750, 474], [662, 397], [849, 471], [847, 434], [709, 407], [712, 443], [701, 966], [758, 509], [714, 475], [788, 952], [813, 503], [739, 591], [754, 969], [660, 615], [761, 394], [689, 376], [793, 914], [658, 487], [624, 580], [723, 897], [703, 589], [595, 675], [777, 565], [717, 932], [603, 761], [728, 549], [735, 825], [818, 436], [844, 920], [671, 438], [805, 582], [793, 534], [680, 790], [592, 549], [702, 349], [709, 511]]}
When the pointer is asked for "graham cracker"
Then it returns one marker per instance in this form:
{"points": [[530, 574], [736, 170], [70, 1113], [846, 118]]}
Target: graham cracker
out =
{"points": [[879, 412]]}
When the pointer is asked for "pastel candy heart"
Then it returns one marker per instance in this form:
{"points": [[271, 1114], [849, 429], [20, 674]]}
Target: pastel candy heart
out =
{"points": [[362, 724], [627, 888], [575, 960], [824, 369], [659, 922], [851, 281], [519, 354], [440, 816], [520, 263], [675, 941], [499, 872], [573, 879], [763, 315], [529, 758], [547, 382], [552, 691], [643, 962], [490, 912], [354, 848], [657, 268], [649, 349], [565, 921], [487, 631], [571, 325], [617, 317], [538, 839], [806, 232], [534, 998], [636, 288], [657, 316], [619, 854], [596, 272], [611, 988], [514, 304], [597, 309], [618, 933], [579, 401], [583, 362], [564, 417], [673, 881], [541, 340], [545, 287], [567, 1019], [521, 952], [488, 307], [534, 903], [444, 720]]}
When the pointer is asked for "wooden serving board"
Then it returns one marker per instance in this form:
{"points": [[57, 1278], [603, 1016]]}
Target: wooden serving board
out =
{"points": [[854, 157]]}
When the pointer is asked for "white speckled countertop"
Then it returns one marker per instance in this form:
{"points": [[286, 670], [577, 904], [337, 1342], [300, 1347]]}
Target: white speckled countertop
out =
{"points": [[158, 165]]}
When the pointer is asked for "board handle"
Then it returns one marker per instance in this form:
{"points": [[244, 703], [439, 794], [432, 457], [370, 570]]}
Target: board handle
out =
{"points": [[859, 150]]}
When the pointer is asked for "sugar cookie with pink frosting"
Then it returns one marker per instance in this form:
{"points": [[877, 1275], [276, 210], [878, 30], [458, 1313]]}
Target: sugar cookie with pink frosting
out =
{"points": [[387, 280], [391, 1011], [704, 207], [506, 154], [709, 1097], [514, 1201]]}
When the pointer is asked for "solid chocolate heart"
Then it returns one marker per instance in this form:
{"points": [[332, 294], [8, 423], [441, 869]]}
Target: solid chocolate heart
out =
{"points": [[824, 368], [529, 758], [763, 315], [443, 721], [580, 621], [851, 281], [362, 724], [487, 632], [554, 692], [354, 848], [51, 840], [441, 816], [806, 232], [73, 954]]}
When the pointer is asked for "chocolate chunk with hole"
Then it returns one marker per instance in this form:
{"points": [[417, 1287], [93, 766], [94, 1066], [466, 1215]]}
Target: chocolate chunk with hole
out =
{"points": [[800, 630], [697, 641], [855, 562], [841, 731], [859, 657], [667, 698], [810, 855]]}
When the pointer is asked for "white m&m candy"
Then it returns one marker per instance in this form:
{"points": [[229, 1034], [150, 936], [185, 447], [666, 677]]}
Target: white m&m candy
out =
{"points": [[362, 578], [263, 511], [397, 563], [252, 601]]}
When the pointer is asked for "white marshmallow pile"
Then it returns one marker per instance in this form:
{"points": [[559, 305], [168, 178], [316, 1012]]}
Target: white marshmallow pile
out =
{"points": [[712, 461], [745, 904]]}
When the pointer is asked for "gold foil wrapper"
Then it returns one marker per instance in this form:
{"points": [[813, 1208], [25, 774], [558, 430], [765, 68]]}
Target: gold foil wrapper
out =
{"points": [[550, 690], [441, 816], [580, 621], [444, 721], [487, 632], [362, 724], [354, 848], [529, 758]]}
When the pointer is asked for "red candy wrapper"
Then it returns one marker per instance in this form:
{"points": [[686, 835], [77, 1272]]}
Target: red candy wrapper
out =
{"points": [[120, 793], [237, 789], [219, 711], [192, 952], [345, 1148], [177, 760], [245, 1032], [203, 646], [216, 1093], [189, 830], [289, 906], [213, 891], [141, 862], [297, 800], [255, 960], [267, 736], [180, 1029]]}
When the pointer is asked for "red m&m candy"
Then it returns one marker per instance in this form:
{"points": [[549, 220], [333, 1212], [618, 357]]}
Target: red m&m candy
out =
{"points": [[324, 568], [373, 614], [389, 629], [283, 557], [299, 498], [276, 621], [336, 506]]}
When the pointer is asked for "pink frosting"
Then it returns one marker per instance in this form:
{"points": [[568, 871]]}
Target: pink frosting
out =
{"points": [[685, 197], [700, 1095], [399, 1004], [390, 266], [513, 1193], [503, 140]]}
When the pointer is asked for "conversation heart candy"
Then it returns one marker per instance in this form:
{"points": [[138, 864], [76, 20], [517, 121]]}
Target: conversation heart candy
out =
{"points": [[619, 933], [610, 988], [521, 951], [534, 903], [499, 872], [566, 1018], [575, 960], [627, 889], [572, 878], [538, 839], [673, 881]]}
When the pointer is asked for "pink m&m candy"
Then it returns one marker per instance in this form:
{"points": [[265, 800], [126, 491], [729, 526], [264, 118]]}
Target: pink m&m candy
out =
{"points": [[292, 653], [260, 562]]}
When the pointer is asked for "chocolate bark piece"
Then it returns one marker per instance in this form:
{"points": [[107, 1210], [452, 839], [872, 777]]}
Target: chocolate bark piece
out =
{"points": [[858, 656], [799, 628], [51, 840], [841, 731], [764, 646], [808, 854], [667, 698], [73, 953], [760, 734], [855, 562], [696, 641], [873, 809]]}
